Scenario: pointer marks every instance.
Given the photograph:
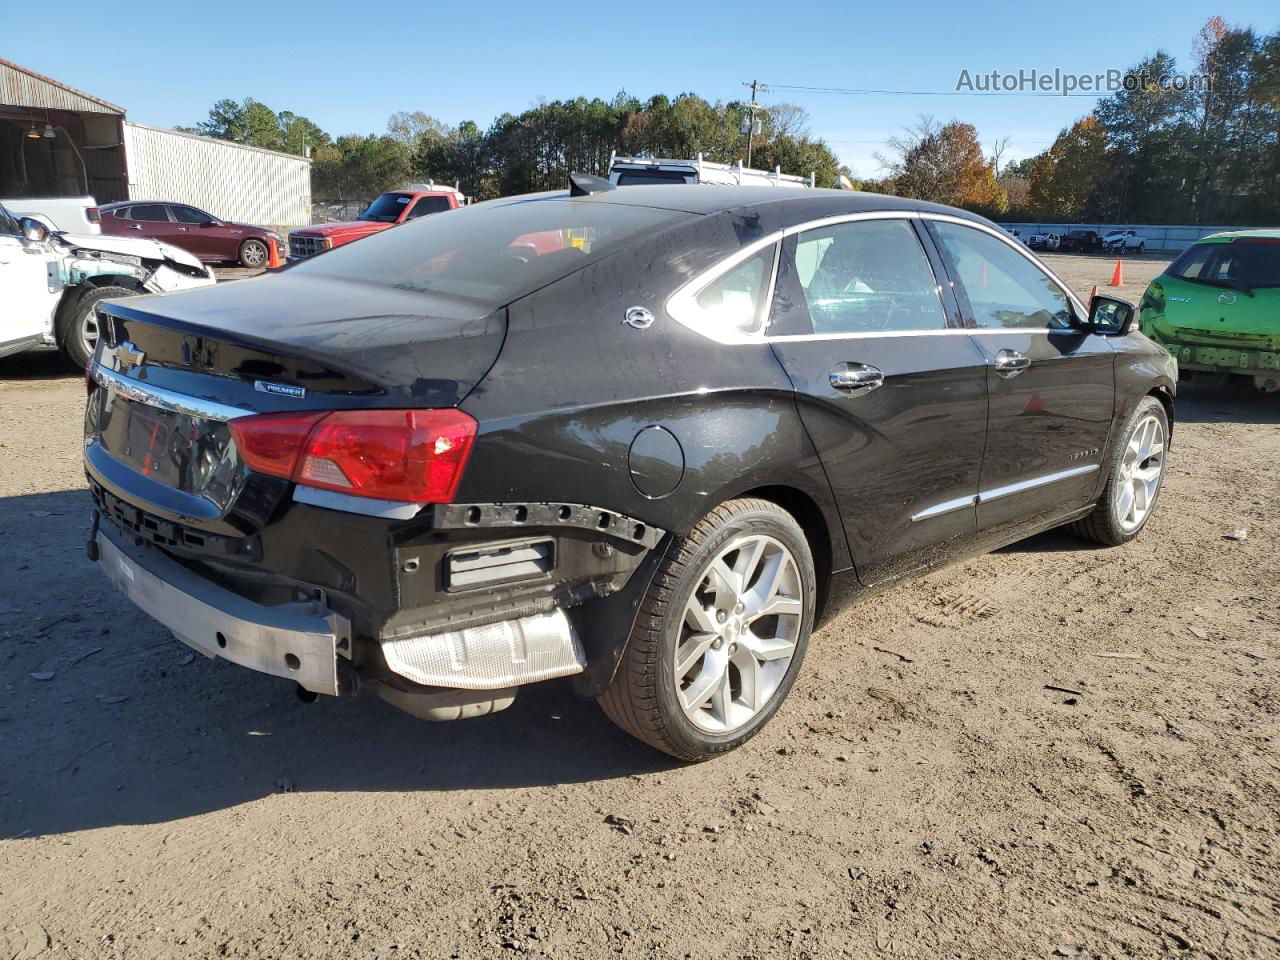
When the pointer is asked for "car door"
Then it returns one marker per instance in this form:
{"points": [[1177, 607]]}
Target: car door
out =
{"points": [[202, 234], [24, 289], [1051, 382], [152, 220], [891, 390]]}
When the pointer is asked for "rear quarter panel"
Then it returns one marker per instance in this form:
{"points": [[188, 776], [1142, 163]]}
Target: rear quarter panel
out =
{"points": [[574, 385]]}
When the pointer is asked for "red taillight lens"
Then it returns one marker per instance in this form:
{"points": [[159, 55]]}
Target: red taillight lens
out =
{"points": [[409, 455], [270, 443], [94, 214]]}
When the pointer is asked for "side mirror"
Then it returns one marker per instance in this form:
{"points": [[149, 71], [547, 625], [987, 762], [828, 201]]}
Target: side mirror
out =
{"points": [[34, 230], [1111, 316]]}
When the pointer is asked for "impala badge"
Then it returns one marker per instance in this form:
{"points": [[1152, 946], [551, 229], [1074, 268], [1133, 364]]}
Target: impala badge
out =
{"points": [[280, 389], [638, 317], [1227, 298]]}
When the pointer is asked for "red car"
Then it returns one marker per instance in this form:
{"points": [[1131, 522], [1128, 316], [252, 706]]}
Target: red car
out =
{"points": [[391, 208], [193, 230]]}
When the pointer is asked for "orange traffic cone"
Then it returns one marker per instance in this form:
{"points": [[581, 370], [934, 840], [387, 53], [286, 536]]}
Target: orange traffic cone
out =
{"points": [[273, 255], [1117, 278]]}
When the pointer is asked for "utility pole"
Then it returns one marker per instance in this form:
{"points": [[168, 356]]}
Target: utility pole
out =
{"points": [[755, 86]]}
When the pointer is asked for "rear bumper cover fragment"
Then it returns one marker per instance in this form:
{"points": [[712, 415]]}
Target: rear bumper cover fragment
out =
{"points": [[297, 641]]}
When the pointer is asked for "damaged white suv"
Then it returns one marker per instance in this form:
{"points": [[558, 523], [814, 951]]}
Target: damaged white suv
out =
{"points": [[50, 283]]}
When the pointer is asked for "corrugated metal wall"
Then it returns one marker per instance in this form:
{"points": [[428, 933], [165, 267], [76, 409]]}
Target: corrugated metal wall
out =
{"points": [[228, 180], [26, 88]]}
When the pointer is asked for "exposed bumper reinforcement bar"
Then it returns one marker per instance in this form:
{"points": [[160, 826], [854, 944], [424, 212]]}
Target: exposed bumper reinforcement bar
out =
{"points": [[297, 641]]}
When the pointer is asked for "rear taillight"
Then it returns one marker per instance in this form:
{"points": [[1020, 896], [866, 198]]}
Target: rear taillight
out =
{"points": [[408, 455], [94, 214]]}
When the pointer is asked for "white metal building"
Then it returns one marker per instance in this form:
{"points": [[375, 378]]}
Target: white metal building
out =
{"points": [[56, 141]]}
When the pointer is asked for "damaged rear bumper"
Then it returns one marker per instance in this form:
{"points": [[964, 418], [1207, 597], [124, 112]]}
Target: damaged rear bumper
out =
{"points": [[310, 644], [298, 641]]}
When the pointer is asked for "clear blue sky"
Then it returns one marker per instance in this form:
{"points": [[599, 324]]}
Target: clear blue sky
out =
{"points": [[348, 66]]}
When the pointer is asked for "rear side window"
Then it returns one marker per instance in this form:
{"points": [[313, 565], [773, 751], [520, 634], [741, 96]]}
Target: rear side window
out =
{"points": [[150, 212], [429, 205], [866, 276], [734, 300], [1005, 288], [492, 253]]}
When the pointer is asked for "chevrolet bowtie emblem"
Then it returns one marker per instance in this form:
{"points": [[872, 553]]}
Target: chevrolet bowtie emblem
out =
{"points": [[127, 357]]}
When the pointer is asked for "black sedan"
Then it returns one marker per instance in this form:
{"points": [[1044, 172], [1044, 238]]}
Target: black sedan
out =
{"points": [[639, 437]]}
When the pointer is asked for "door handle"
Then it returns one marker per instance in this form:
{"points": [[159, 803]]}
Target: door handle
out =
{"points": [[134, 226], [1010, 363], [856, 377]]}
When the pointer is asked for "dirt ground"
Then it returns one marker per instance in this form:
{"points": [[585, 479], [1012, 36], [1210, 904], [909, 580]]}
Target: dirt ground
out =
{"points": [[1051, 751]]}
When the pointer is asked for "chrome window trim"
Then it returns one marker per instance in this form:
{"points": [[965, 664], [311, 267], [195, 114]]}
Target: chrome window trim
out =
{"points": [[682, 305], [348, 503], [164, 399], [1032, 483]]}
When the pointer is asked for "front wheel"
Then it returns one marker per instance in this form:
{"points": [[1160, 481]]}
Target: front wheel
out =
{"points": [[1135, 478], [720, 635], [253, 253], [78, 327]]}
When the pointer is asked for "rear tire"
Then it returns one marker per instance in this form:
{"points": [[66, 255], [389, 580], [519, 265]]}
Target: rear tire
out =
{"points": [[78, 326], [728, 615], [253, 253], [1135, 478]]}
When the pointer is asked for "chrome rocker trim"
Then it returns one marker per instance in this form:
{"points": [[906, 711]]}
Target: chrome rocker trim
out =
{"points": [[960, 503]]}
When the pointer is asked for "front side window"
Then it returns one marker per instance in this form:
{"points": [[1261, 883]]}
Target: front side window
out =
{"points": [[865, 276], [150, 213], [1005, 288], [189, 215]]}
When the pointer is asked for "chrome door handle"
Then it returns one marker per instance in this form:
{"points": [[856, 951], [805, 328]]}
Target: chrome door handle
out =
{"points": [[134, 226], [1010, 363], [856, 377]]}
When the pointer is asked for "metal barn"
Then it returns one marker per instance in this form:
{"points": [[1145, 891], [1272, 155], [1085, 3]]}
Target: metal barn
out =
{"points": [[56, 141]]}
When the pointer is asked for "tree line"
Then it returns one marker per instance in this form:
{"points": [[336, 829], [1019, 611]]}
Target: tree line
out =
{"points": [[1148, 153], [533, 150]]}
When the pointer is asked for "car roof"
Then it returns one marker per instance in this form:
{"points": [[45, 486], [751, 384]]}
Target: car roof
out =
{"points": [[1226, 236], [784, 204]]}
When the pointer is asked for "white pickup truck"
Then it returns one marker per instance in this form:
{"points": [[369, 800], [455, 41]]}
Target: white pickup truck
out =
{"points": [[78, 215], [50, 282]]}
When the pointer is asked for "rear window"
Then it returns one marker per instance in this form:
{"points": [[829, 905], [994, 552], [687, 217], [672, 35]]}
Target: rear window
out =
{"points": [[1243, 263], [492, 253], [634, 178]]}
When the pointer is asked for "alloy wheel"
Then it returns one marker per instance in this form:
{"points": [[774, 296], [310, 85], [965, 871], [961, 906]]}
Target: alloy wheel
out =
{"points": [[1141, 469], [254, 253], [738, 635], [89, 330]]}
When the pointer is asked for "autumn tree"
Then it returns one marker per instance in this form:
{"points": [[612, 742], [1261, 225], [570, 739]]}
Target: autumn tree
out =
{"points": [[1064, 177]]}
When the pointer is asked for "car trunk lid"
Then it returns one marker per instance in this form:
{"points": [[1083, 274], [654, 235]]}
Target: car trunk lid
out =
{"points": [[172, 371]]}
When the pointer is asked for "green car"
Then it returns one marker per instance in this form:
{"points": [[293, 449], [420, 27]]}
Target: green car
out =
{"points": [[1216, 308]]}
